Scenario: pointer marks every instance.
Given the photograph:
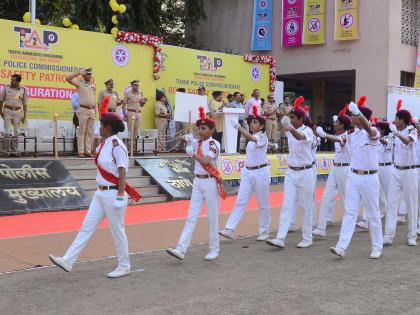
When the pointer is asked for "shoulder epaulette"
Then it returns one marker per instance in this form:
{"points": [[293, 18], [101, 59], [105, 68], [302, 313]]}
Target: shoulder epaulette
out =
{"points": [[115, 142]]}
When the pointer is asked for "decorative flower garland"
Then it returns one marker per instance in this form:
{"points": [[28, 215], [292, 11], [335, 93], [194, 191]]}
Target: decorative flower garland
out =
{"points": [[143, 39], [264, 60]]}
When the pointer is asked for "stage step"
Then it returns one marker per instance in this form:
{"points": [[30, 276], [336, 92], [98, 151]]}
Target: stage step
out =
{"points": [[146, 197], [76, 162], [135, 182]]}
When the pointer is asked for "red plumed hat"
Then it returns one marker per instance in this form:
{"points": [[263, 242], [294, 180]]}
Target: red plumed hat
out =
{"points": [[256, 115], [297, 110], [403, 113], [104, 105], [203, 120]]}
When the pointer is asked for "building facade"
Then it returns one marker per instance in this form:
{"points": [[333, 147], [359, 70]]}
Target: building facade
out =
{"points": [[328, 75]]}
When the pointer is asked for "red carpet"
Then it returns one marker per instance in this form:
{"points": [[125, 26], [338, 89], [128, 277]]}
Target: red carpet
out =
{"points": [[65, 221]]}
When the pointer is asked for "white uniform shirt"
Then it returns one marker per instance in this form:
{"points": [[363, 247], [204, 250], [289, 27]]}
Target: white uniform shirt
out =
{"points": [[210, 148], [300, 151], [405, 154], [418, 152], [314, 146], [250, 103], [342, 149], [385, 150], [363, 150], [111, 158], [256, 152]]}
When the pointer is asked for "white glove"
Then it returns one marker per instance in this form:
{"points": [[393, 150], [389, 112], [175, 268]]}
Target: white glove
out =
{"points": [[235, 124], [393, 129], [320, 132], [354, 109], [335, 117], [119, 203], [416, 121], [275, 146], [189, 150], [188, 138], [285, 122]]}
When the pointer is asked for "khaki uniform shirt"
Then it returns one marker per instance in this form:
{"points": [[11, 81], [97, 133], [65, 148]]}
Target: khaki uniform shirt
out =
{"points": [[215, 106], [270, 107], [285, 109], [112, 101], [87, 93], [133, 100], [14, 97], [160, 109]]}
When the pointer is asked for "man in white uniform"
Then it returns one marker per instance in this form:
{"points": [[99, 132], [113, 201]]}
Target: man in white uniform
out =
{"points": [[363, 181], [337, 178], [416, 122], [403, 178], [299, 183]]}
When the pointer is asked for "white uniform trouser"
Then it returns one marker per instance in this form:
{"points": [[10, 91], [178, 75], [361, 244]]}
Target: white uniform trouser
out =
{"points": [[384, 173], [294, 210], [204, 190], [418, 186], [101, 207], [257, 181], [336, 182], [363, 188], [404, 181], [298, 188]]}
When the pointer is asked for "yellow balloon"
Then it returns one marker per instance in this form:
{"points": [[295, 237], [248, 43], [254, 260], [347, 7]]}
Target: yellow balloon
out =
{"points": [[115, 7], [66, 22], [114, 19], [112, 2], [114, 31], [27, 17], [122, 8], [38, 21], [74, 27]]}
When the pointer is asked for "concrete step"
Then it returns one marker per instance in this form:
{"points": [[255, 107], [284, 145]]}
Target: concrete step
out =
{"points": [[146, 198], [144, 190], [91, 173], [139, 181], [76, 162]]}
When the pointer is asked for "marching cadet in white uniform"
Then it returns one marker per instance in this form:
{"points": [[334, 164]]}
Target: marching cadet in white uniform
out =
{"points": [[363, 181], [206, 188], [110, 200], [403, 178], [416, 122], [255, 178], [299, 181], [337, 178]]}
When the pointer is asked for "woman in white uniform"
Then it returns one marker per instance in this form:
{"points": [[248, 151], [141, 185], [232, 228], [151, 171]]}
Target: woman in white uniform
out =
{"points": [[255, 178], [110, 200]]}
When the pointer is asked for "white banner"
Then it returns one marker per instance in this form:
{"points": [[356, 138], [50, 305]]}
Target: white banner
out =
{"points": [[409, 96], [185, 103]]}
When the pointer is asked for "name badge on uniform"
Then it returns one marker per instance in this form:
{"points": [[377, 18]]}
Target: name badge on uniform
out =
{"points": [[18, 97]]}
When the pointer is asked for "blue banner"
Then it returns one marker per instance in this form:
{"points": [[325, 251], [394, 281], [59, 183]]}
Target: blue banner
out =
{"points": [[261, 28]]}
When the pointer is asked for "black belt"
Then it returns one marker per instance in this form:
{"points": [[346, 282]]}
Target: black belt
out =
{"points": [[385, 164], [403, 168], [360, 172], [203, 176], [341, 164], [300, 168], [102, 188], [314, 162], [251, 168]]}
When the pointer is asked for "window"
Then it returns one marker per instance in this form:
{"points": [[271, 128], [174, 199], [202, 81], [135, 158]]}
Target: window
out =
{"points": [[407, 78], [410, 22]]}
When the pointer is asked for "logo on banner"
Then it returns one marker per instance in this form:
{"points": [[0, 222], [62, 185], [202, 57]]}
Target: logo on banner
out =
{"points": [[120, 55], [255, 73], [292, 28], [262, 4], [291, 1], [324, 163], [346, 20], [262, 31], [30, 39], [211, 64], [227, 166], [314, 25], [239, 165]]}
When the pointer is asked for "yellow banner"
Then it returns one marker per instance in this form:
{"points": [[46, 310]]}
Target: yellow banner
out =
{"points": [[314, 22], [189, 69], [417, 80], [346, 20], [44, 55], [231, 166]]}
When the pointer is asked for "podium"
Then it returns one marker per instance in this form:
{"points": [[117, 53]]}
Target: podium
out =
{"points": [[230, 138]]}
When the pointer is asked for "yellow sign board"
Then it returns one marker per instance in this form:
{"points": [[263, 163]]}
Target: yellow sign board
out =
{"points": [[230, 166], [314, 22], [417, 80], [346, 20]]}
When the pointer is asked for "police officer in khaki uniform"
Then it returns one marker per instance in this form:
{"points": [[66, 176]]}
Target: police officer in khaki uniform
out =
{"points": [[270, 114], [13, 99], [114, 100], [86, 111], [133, 101], [161, 119]]}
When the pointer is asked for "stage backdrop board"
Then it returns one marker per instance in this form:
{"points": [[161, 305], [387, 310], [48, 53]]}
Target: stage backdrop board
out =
{"points": [[174, 175], [36, 185], [190, 68], [185, 103], [409, 96]]}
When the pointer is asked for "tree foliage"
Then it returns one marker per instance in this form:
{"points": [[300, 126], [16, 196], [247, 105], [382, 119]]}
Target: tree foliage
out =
{"points": [[164, 18]]}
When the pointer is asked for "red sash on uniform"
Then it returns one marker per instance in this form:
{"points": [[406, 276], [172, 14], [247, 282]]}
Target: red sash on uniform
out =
{"points": [[212, 171], [113, 179]]}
